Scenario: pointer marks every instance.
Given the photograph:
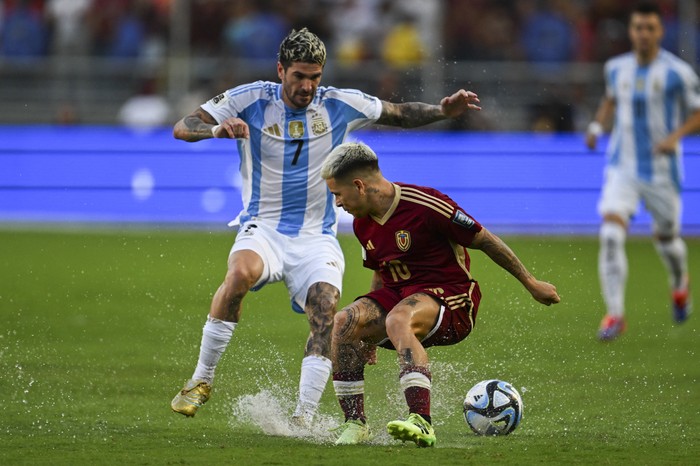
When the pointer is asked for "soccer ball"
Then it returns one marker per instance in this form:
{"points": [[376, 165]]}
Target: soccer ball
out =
{"points": [[493, 407]]}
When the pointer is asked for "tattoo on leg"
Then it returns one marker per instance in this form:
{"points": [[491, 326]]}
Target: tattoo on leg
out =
{"points": [[374, 312], [406, 357], [349, 327], [321, 301], [351, 356], [410, 301]]}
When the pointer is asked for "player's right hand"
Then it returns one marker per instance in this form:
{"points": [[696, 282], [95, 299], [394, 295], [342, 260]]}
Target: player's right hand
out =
{"points": [[544, 292], [233, 128]]}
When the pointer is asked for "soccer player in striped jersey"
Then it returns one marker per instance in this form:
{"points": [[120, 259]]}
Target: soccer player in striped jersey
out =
{"points": [[422, 293], [284, 131], [655, 99]]}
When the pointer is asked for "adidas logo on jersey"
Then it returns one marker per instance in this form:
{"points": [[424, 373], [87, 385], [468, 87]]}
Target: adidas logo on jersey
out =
{"points": [[273, 130]]}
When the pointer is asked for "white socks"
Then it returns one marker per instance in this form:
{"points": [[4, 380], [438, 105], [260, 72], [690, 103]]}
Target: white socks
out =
{"points": [[674, 255], [315, 371], [612, 267], [215, 337]]}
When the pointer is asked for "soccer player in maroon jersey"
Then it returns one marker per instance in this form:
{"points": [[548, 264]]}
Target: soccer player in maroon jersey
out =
{"points": [[422, 293]]}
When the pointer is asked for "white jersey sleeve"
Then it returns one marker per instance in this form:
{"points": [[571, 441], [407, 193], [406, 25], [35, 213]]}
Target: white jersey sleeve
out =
{"points": [[358, 109], [691, 87], [232, 102]]}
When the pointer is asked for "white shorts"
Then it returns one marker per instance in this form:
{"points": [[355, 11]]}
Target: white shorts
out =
{"points": [[622, 193], [300, 261]]}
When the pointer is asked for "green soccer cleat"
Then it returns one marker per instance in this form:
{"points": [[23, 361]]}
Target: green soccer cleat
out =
{"points": [[353, 432], [415, 429], [193, 395]]}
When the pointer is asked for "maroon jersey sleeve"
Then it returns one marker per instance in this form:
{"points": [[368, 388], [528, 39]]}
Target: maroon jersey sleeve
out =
{"points": [[454, 223]]}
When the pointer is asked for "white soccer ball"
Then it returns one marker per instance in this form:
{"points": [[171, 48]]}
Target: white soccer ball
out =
{"points": [[493, 407]]}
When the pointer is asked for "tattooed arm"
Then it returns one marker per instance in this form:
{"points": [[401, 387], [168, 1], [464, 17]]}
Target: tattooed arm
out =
{"points": [[412, 114], [200, 125], [195, 126], [501, 254]]}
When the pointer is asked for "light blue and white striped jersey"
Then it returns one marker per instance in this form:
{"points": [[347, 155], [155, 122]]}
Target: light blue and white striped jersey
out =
{"points": [[651, 101], [281, 161]]}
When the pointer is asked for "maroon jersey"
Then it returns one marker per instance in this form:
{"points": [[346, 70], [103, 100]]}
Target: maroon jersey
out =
{"points": [[421, 240]]}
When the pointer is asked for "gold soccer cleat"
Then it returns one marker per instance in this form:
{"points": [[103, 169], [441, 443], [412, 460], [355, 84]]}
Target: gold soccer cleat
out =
{"points": [[193, 395]]}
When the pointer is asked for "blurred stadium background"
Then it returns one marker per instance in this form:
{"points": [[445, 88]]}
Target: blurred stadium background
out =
{"points": [[77, 66], [537, 62]]}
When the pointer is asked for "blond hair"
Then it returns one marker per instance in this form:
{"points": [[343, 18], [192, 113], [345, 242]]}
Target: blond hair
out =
{"points": [[349, 158], [302, 46]]}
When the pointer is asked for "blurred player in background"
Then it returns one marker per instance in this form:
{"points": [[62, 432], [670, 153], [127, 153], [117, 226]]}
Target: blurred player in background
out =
{"points": [[655, 100], [422, 293], [288, 224]]}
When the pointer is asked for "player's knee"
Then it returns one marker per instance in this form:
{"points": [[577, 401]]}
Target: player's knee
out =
{"points": [[322, 297], [664, 238], [398, 322], [239, 280], [612, 234], [666, 232]]}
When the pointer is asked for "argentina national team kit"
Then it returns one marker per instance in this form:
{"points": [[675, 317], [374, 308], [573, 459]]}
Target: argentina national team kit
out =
{"points": [[651, 101], [281, 161], [289, 216]]}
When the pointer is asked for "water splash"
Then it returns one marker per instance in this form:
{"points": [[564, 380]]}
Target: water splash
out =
{"points": [[270, 411]]}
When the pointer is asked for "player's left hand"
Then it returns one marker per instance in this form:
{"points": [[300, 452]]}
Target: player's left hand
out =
{"points": [[544, 292], [459, 102], [666, 147]]}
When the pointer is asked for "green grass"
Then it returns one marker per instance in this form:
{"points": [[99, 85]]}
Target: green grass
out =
{"points": [[100, 329]]}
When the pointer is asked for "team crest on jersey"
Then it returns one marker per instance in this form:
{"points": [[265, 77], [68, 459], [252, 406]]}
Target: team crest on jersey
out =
{"points": [[318, 125], [403, 240], [296, 129], [219, 100], [463, 219]]}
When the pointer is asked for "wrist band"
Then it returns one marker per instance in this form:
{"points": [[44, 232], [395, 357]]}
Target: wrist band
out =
{"points": [[214, 129], [595, 128]]}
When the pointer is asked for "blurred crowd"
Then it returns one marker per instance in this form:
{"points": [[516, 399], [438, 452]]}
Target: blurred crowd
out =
{"points": [[399, 32], [396, 34]]}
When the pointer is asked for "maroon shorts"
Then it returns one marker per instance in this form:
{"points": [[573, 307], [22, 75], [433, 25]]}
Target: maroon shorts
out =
{"points": [[458, 307]]}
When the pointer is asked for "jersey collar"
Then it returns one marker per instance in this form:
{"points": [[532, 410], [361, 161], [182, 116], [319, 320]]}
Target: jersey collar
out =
{"points": [[392, 209]]}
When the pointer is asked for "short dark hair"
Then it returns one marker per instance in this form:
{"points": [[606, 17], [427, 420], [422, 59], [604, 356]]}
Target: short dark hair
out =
{"points": [[302, 46], [647, 8]]}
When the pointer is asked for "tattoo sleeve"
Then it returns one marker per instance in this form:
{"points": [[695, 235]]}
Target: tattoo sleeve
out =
{"points": [[348, 329], [320, 309], [195, 126], [410, 114], [501, 254]]}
